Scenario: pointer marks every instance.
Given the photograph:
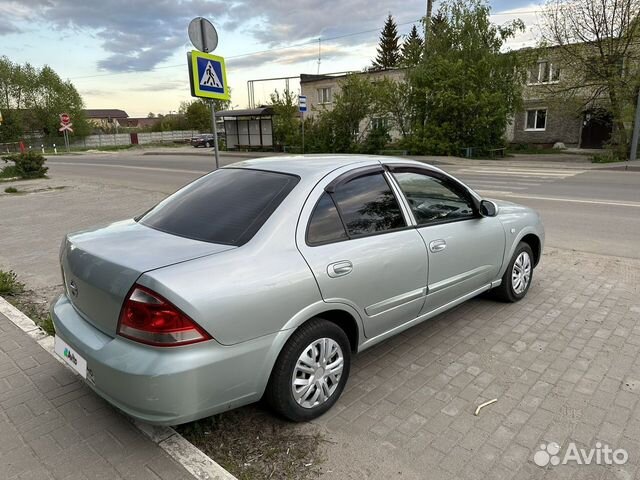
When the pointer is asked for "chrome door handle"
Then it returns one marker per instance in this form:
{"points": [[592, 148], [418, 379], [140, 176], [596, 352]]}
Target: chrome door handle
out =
{"points": [[338, 269], [437, 245]]}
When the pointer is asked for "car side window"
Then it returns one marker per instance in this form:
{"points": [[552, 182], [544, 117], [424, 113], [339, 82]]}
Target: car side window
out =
{"points": [[367, 205], [325, 225], [431, 200]]}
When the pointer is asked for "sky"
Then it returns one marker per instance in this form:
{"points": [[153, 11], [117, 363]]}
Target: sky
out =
{"points": [[131, 54]]}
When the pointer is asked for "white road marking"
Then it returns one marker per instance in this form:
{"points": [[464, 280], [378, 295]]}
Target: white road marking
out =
{"points": [[520, 173], [560, 199], [566, 171]]}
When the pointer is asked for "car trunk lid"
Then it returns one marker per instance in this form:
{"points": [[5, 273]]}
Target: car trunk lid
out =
{"points": [[99, 267]]}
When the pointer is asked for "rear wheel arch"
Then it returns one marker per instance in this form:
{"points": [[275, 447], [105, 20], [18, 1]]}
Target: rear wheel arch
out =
{"points": [[346, 322]]}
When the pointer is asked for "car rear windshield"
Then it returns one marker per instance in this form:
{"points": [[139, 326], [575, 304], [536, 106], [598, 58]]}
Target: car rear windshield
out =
{"points": [[227, 206]]}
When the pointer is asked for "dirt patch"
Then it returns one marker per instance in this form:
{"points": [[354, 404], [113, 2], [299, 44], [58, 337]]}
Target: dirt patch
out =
{"points": [[29, 303], [252, 443]]}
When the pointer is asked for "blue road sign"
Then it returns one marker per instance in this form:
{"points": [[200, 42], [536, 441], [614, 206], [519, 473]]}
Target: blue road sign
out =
{"points": [[302, 103], [208, 76]]}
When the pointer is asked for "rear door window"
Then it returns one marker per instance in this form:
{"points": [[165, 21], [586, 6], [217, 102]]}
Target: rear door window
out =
{"points": [[368, 206], [227, 206]]}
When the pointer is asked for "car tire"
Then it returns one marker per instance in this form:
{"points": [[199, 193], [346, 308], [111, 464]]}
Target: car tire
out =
{"points": [[293, 372], [518, 276], [207, 145]]}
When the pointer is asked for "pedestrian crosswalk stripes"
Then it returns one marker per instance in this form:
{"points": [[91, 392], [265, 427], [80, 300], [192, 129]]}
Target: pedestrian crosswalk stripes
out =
{"points": [[509, 179]]}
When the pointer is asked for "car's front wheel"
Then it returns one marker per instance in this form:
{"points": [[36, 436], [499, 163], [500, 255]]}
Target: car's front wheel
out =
{"points": [[518, 275], [207, 145], [311, 371]]}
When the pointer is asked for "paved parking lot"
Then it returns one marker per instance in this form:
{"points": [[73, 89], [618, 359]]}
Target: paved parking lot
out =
{"points": [[563, 364]]}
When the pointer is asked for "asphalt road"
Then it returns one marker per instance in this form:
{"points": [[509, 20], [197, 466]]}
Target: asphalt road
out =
{"points": [[587, 210]]}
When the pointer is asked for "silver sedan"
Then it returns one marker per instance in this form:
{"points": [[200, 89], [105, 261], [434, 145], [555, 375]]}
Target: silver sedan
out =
{"points": [[262, 279]]}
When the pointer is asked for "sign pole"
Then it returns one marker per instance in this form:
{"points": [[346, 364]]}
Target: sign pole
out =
{"points": [[302, 107], [214, 128], [207, 73]]}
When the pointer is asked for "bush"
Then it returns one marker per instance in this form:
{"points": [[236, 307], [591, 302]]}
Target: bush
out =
{"points": [[11, 190], [376, 141], [9, 172], [9, 284], [608, 156], [28, 164]]}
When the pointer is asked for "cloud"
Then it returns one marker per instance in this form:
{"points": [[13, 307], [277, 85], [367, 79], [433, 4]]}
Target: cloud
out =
{"points": [[287, 56], [7, 27], [138, 35], [284, 23], [159, 86]]}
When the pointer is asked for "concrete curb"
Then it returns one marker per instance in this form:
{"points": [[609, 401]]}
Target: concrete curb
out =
{"points": [[177, 447]]}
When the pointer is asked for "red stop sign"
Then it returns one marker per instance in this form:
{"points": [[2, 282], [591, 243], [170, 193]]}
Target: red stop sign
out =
{"points": [[65, 118]]}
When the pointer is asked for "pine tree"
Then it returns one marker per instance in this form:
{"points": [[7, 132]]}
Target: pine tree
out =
{"points": [[411, 48], [388, 48]]}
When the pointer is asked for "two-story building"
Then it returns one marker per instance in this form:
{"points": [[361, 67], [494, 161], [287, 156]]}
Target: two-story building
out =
{"points": [[547, 117], [321, 90], [551, 115]]}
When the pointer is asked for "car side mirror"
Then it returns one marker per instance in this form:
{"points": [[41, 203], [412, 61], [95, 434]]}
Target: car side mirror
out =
{"points": [[488, 208]]}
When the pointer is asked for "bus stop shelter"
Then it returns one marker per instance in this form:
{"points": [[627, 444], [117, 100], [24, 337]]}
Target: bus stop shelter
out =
{"points": [[248, 129]]}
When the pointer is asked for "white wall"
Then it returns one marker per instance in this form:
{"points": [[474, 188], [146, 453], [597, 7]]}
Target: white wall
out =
{"points": [[111, 139]]}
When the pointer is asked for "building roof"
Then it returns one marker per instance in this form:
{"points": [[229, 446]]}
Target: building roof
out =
{"points": [[310, 78], [142, 121], [247, 112], [105, 113]]}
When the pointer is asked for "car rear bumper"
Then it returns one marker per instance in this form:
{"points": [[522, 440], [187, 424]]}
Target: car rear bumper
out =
{"points": [[166, 385]]}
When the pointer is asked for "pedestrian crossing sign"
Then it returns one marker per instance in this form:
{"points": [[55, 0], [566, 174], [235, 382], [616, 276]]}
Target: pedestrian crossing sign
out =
{"points": [[208, 76]]}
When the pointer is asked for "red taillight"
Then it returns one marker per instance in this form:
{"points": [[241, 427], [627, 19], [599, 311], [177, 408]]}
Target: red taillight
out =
{"points": [[147, 317]]}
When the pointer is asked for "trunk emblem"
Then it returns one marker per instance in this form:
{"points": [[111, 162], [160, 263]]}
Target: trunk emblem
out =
{"points": [[73, 288]]}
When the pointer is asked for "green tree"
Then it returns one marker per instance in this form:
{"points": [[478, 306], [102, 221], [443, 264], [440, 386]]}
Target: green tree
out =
{"points": [[286, 124], [388, 48], [466, 88], [338, 129], [596, 46], [394, 101], [32, 100], [197, 113], [411, 49]]}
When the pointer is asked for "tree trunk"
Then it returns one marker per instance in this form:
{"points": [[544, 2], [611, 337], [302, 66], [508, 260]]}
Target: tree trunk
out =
{"points": [[619, 136]]}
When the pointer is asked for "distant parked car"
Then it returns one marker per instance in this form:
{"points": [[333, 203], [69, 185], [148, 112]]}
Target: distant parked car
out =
{"points": [[204, 140], [263, 278]]}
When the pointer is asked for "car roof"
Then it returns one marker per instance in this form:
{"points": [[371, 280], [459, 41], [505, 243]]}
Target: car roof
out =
{"points": [[319, 165]]}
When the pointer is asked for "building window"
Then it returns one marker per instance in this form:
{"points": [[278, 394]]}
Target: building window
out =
{"points": [[324, 95], [544, 72], [379, 122], [536, 119]]}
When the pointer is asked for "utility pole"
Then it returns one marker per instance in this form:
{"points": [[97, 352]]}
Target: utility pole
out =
{"points": [[636, 132], [427, 20]]}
